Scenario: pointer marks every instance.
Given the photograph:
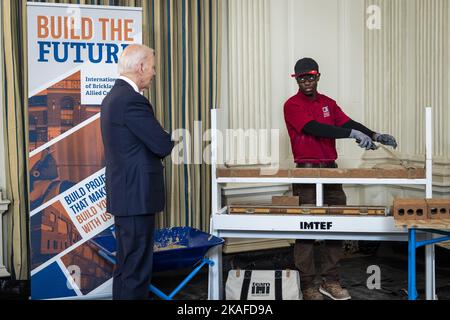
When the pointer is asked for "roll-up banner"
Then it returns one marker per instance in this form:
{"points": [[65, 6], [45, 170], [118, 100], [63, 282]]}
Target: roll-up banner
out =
{"points": [[73, 52]]}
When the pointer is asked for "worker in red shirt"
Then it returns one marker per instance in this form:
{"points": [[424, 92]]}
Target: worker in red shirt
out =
{"points": [[314, 122]]}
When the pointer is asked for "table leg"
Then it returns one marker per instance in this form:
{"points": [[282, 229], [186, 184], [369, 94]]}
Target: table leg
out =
{"points": [[430, 271], [412, 291], [215, 284], [319, 194]]}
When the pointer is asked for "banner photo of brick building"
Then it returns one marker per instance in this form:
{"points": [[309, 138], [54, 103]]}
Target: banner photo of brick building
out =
{"points": [[72, 65]]}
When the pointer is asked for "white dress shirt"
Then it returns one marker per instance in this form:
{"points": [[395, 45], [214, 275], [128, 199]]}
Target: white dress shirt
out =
{"points": [[130, 82]]}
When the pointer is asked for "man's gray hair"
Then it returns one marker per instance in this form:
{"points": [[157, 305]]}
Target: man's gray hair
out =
{"points": [[132, 57]]}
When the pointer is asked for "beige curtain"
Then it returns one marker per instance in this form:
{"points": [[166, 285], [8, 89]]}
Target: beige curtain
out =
{"points": [[186, 37], [14, 87]]}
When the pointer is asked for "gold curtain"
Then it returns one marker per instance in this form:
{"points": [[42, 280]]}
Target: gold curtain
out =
{"points": [[14, 86], [186, 37]]}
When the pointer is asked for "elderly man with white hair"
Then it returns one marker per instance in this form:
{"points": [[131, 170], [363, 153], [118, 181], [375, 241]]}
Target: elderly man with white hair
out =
{"points": [[135, 145]]}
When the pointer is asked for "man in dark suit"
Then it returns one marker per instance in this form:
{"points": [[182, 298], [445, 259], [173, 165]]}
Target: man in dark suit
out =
{"points": [[135, 145]]}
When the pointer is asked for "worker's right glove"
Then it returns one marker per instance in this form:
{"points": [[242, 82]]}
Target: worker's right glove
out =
{"points": [[386, 139], [363, 140]]}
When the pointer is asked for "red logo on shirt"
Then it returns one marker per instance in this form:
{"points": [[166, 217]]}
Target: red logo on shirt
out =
{"points": [[326, 112]]}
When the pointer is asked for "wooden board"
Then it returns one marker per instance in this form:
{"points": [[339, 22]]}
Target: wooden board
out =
{"points": [[285, 201], [405, 173], [439, 224], [442, 224]]}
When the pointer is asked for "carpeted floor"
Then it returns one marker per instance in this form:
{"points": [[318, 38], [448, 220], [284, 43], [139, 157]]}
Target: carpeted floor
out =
{"points": [[390, 257]]}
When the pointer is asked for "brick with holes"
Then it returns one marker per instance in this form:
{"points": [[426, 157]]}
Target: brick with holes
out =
{"points": [[438, 208], [410, 209]]}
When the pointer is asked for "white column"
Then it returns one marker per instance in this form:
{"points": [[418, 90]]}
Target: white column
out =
{"points": [[3, 207]]}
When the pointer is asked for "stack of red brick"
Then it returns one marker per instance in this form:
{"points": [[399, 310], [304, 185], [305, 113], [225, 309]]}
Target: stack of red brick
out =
{"points": [[421, 209]]}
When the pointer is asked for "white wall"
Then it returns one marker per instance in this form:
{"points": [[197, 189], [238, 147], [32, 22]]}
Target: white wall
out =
{"points": [[330, 31], [333, 32], [334, 36]]}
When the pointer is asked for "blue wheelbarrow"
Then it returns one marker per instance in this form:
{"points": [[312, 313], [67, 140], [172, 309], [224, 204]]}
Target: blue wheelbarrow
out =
{"points": [[176, 248]]}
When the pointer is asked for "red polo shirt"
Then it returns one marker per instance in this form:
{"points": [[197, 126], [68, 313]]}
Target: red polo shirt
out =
{"points": [[299, 111]]}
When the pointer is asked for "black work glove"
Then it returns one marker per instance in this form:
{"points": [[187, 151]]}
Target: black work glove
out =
{"points": [[386, 140]]}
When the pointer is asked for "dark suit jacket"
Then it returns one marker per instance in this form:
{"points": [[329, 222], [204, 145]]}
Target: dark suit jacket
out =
{"points": [[135, 144]]}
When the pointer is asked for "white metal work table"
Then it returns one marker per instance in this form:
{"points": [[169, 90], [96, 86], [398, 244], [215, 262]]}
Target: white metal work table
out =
{"points": [[376, 228]]}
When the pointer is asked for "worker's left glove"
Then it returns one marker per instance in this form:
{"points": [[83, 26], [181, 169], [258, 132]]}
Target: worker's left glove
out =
{"points": [[386, 140]]}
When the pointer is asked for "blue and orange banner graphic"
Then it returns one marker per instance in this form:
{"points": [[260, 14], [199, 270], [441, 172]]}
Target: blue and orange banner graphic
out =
{"points": [[73, 52]]}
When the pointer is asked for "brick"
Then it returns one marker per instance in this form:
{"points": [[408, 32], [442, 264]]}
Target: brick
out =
{"points": [[360, 173], [399, 173], [416, 173], [393, 173], [334, 173], [245, 173], [305, 173], [438, 208], [252, 173], [390, 173], [363, 173], [410, 209], [223, 173], [285, 201], [281, 173]]}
